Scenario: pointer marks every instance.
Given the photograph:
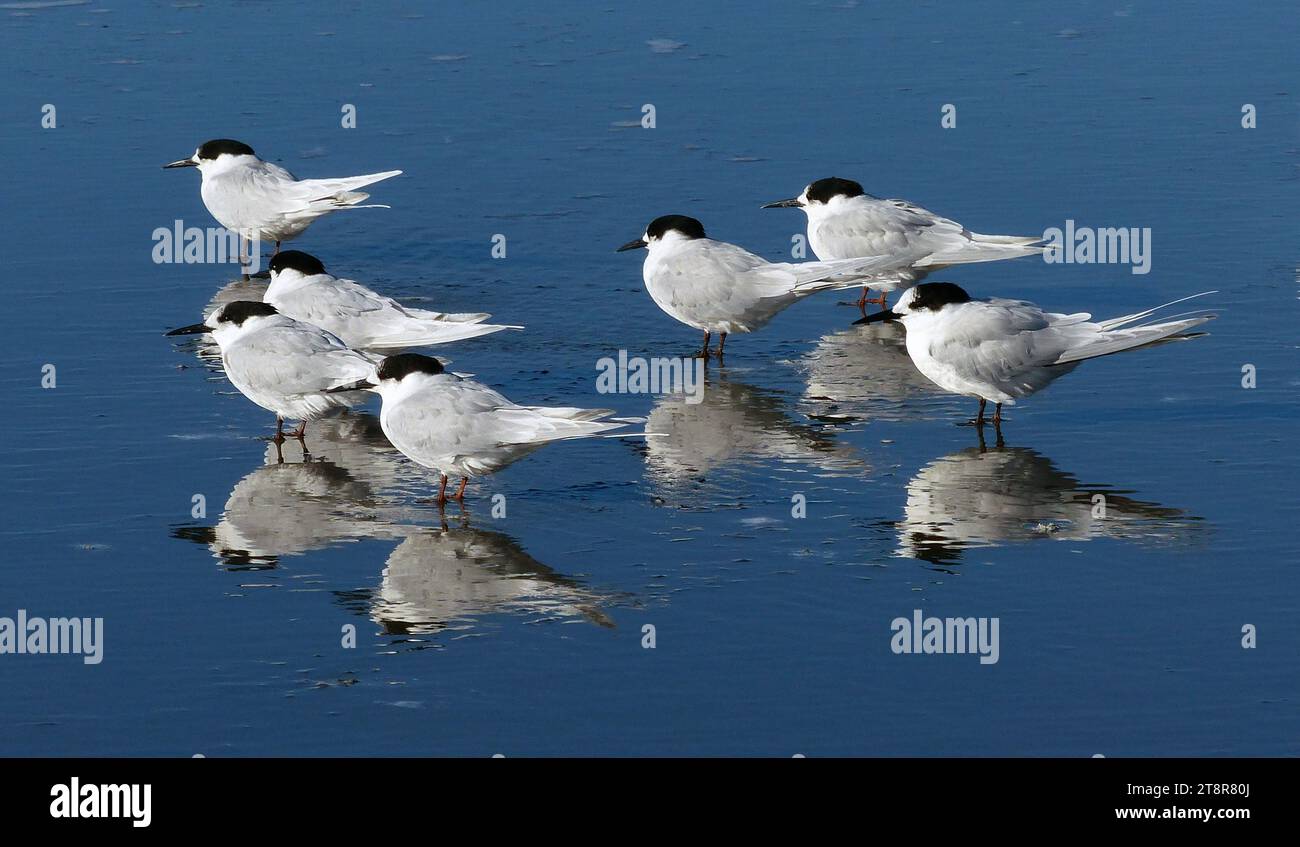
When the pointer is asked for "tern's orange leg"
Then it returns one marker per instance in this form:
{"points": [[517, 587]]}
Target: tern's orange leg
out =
{"points": [[460, 492], [864, 300]]}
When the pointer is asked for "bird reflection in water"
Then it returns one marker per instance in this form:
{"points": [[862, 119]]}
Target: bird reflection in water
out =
{"points": [[865, 373], [299, 500], [347, 483], [735, 426], [447, 578], [983, 497]]}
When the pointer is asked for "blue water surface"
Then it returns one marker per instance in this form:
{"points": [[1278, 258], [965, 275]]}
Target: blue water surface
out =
{"points": [[525, 633]]}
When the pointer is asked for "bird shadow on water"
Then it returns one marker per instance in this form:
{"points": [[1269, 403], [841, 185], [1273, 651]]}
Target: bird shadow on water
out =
{"points": [[345, 483]]}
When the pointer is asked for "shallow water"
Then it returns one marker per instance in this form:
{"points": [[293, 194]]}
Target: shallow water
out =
{"points": [[523, 634]]}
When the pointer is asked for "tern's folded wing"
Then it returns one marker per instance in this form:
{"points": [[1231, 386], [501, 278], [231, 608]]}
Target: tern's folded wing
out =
{"points": [[286, 360], [879, 227], [1005, 343]]}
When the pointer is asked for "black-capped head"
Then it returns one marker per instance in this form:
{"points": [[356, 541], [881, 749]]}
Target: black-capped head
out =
{"points": [[296, 260], [233, 313], [397, 367], [825, 190], [931, 296], [928, 297], [820, 193], [210, 151], [667, 226], [217, 146], [238, 311]]}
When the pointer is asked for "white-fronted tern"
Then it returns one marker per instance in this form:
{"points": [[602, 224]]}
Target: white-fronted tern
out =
{"points": [[1002, 350], [262, 200], [718, 287], [283, 365], [844, 221], [364, 320], [456, 426]]}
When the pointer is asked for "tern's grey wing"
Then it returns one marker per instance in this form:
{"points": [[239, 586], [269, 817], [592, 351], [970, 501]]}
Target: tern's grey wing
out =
{"points": [[874, 227], [1002, 342], [295, 360], [272, 173], [466, 422], [335, 299], [729, 275], [448, 420], [707, 281]]}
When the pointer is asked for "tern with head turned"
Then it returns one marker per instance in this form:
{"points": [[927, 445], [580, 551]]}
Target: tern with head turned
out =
{"points": [[718, 287], [283, 365], [458, 427], [844, 221], [261, 200], [362, 319], [1002, 350]]}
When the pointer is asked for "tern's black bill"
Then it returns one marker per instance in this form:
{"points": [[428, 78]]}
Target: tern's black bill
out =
{"points": [[632, 245], [192, 329], [183, 163], [882, 315], [359, 385], [783, 204]]}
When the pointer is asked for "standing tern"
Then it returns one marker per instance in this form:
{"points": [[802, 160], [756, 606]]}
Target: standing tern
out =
{"points": [[719, 287], [301, 289], [455, 425], [844, 221], [283, 365], [1001, 350], [261, 200]]}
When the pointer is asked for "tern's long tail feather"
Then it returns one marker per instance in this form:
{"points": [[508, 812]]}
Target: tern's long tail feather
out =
{"points": [[985, 248], [321, 195], [538, 424], [1117, 340], [811, 277], [324, 188], [432, 332], [1116, 323], [451, 317]]}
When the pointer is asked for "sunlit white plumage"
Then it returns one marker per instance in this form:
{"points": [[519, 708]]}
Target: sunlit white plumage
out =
{"points": [[363, 319], [718, 287], [283, 365], [262, 200], [1002, 350], [459, 427], [844, 221]]}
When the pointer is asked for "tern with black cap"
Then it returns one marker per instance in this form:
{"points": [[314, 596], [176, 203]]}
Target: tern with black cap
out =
{"points": [[718, 287], [844, 221], [261, 200], [1002, 350], [284, 366], [302, 289], [458, 427]]}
